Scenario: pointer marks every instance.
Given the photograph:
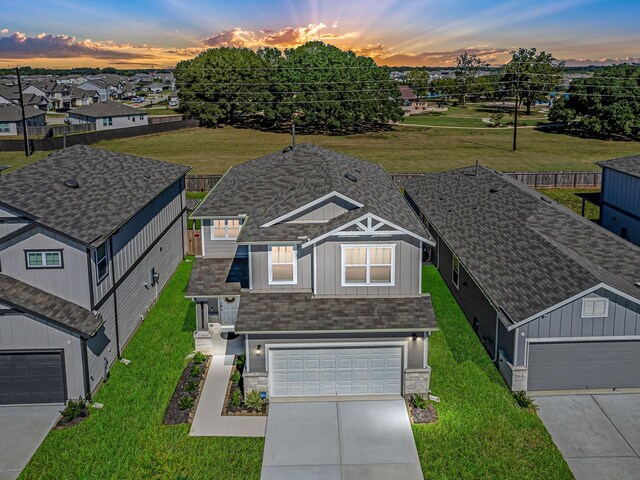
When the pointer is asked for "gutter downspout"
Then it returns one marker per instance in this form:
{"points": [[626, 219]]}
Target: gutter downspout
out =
{"points": [[85, 368], [495, 347], [115, 298]]}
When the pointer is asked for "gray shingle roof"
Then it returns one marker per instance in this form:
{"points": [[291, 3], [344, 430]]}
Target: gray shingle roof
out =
{"points": [[112, 188], [276, 184], [628, 165], [13, 113], [107, 109], [526, 252], [29, 299], [296, 312], [212, 277]]}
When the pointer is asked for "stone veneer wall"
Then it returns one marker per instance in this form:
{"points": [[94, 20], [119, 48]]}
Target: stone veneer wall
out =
{"points": [[258, 381], [516, 377], [416, 380]]}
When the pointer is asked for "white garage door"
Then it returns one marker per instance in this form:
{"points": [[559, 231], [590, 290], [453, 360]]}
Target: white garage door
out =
{"points": [[299, 372]]}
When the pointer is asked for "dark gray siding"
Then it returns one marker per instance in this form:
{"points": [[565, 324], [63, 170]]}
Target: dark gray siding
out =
{"points": [[621, 190], [407, 266], [25, 332], [69, 282], [567, 322], [101, 348], [415, 350], [615, 222], [260, 270], [324, 211]]}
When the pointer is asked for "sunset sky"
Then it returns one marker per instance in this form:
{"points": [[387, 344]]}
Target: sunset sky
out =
{"points": [[159, 33]]}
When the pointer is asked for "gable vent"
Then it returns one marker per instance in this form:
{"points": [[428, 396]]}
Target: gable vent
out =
{"points": [[351, 177], [71, 183]]}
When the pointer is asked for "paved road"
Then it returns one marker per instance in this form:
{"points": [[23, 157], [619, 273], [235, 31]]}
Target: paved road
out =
{"points": [[345, 440], [598, 435], [22, 430]]}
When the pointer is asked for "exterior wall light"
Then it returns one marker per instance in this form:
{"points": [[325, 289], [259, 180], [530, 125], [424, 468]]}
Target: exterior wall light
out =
{"points": [[258, 350], [414, 337]]}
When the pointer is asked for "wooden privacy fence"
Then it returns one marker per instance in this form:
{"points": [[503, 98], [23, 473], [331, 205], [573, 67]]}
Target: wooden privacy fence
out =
{"points": [[154, 120], [558, 179], [201, 183], [57, 130], [194, 242]]}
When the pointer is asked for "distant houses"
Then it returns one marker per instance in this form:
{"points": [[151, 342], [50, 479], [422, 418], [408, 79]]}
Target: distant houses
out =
{"points": [[11, 118], [109, 115]]}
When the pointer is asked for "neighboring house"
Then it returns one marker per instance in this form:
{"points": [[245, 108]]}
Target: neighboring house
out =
{"points": [[315, 259], [552, 296], [109, 115], [411, 103], [88, 239], [99, 86], [620, 197], [11, 118], [154, 87]]}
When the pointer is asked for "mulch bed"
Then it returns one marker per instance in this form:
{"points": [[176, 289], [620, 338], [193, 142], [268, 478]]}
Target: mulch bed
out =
{"points": [[63, 423], [175, 416], [429, 415], [240, 410]]}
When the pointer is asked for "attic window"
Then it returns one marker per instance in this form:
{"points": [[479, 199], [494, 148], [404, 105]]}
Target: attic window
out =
{"points": [[595, 307]]}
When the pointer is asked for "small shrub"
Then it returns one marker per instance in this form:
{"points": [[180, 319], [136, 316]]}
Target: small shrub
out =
{"points": [[240, 361], [495, 118], [419, 401], [185, 403], [235, 377], [253, 400], [523, 400], [191, 386], [235, 398], [73, 409], [195, 371], [199, 358]]}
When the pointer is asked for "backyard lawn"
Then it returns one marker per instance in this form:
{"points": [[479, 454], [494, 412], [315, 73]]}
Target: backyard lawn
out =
{"points": [[482, 433], [567, 197]]}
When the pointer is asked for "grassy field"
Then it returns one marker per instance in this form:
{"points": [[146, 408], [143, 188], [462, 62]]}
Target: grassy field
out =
{"points": [[481, 432], [567, 197]]}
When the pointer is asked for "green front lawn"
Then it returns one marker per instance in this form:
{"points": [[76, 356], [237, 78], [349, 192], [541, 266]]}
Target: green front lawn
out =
{"points": [[482, 432], [126, 439]]}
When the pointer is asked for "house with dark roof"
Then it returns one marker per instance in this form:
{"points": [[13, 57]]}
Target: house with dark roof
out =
{"points": [[109, 115], [620, 197], [553, 297], [88, 238], [11, 118], [314, 259]]}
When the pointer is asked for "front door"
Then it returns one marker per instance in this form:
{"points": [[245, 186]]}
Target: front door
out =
{"points": [[228, 310]]}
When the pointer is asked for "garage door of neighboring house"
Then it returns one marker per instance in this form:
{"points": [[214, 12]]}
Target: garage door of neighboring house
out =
{"points": [[297, 372], [31, 377], [583, 365]]}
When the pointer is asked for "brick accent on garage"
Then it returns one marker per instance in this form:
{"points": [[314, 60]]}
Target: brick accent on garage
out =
{"points": [[416, 380], [258, 381]]}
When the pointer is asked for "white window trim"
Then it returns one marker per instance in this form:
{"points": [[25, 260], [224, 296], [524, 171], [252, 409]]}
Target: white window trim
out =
{"points": [[595, 299], [453, 270], [98, 260], [43, 255], [226, 228], [295, 266], [368, 246]]}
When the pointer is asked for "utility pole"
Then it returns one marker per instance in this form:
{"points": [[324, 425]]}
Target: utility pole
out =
{"points": [[27, 151], [515, 113]]}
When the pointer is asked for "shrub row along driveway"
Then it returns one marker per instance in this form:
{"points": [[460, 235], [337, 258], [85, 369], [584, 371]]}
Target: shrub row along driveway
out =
{"points": [[482, 433]]}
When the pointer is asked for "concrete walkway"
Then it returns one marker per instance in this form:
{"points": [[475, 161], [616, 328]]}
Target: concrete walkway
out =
{"points": [[208, 420], [340, 440], [598, 435], [22, 430]]}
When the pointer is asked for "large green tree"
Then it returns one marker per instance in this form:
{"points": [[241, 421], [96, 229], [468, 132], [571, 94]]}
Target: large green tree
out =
{"points": [[533, 75], [222, 83], [418, 80], [468, 67], [605, 104]]}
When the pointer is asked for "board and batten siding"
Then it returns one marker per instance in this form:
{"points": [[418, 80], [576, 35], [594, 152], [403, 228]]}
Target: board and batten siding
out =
{"points": [[567, 322], [407, 266], [615, 221], [322, 212], [25, 332], [69, 282], [415, 350], [220, 248], [10, 222], [621, 190], [260, 270], [101, 348]]}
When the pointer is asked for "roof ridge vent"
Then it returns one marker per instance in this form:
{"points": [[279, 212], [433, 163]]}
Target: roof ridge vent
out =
{"points": [[71, 183]]}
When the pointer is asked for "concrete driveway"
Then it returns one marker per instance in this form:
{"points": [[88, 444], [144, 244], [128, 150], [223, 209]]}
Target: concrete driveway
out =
{"points": [[22, 430], [342, 440], [598, 435]]}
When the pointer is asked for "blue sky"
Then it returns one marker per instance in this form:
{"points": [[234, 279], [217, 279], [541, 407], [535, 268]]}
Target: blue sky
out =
{"points": [[408, 32]]}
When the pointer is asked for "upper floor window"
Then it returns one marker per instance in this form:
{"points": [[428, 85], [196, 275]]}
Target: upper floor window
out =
{"points": [[101, 262], [595, 307], [44, 259], [225, 228], [364, 265], [455, 273], [283, 264]]}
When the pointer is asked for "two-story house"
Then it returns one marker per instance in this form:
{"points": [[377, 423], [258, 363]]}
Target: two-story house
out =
{"points": [[620, 197], [88, 239], [314, 258]]}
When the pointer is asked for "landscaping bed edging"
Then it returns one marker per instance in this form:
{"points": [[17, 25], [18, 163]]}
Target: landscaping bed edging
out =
{"points": [[176, 416], [419, 415], [241, 410]]}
